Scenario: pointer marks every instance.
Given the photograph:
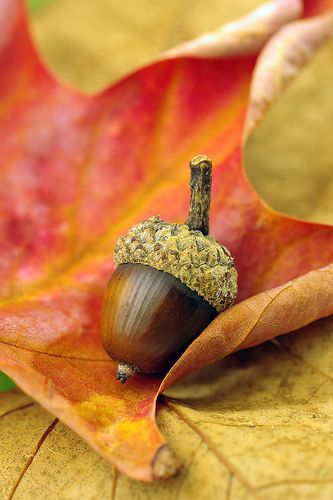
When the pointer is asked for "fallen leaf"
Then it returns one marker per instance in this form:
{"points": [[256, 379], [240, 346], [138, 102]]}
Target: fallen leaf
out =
{"points": [[289, 157], [243, 36], [58, 252], [141, 31], [255, 425]]}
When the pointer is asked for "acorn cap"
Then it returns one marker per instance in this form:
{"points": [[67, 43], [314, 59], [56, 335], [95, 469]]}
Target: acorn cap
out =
{"points": [[198, 261]]}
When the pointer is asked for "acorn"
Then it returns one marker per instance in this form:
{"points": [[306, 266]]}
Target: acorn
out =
{"points": [[170, 282]]}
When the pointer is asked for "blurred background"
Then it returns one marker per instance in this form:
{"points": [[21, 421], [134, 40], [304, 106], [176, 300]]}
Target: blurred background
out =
{"points": [[93, 42], [289, 160]]}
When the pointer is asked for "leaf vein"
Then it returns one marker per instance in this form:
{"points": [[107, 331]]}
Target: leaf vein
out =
{"points": [[291, 482], [53, 355], [13, 410], [305, 362], [114, 484], [29, 462], [233, 470]]}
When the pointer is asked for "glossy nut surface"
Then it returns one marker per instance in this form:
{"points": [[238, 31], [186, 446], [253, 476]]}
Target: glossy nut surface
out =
{"points": [[149, 317]]}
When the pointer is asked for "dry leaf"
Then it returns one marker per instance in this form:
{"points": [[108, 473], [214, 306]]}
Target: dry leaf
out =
{"points": [[253, 426], [141, 31], [244, 36], [59, 241]]}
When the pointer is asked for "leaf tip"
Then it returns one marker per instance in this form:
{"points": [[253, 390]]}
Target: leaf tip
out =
{"points": [[165, 464]]}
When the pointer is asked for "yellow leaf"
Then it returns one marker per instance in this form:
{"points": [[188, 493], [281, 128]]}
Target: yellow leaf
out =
{"points": [[110, 38], [255, 425]]}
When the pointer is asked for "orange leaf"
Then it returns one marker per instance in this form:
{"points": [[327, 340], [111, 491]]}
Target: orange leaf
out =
{"points": [[77, 171]]}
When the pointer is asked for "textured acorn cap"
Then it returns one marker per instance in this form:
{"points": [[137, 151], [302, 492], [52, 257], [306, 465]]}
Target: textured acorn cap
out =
{"points": [[199, 261]]}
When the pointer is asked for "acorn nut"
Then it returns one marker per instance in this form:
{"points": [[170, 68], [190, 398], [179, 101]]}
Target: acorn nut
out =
{"points": [[171, 280]]}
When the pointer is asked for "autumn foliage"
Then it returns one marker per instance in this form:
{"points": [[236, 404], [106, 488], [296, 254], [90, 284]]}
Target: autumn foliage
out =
{"points": [[77, 171]]}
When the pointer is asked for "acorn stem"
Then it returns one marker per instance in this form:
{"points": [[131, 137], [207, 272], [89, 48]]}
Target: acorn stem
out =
{"points": [[200, 184], [124, 371]]}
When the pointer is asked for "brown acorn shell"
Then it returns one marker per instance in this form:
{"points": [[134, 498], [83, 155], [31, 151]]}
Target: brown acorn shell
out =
{"points": [[149, 317]]}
